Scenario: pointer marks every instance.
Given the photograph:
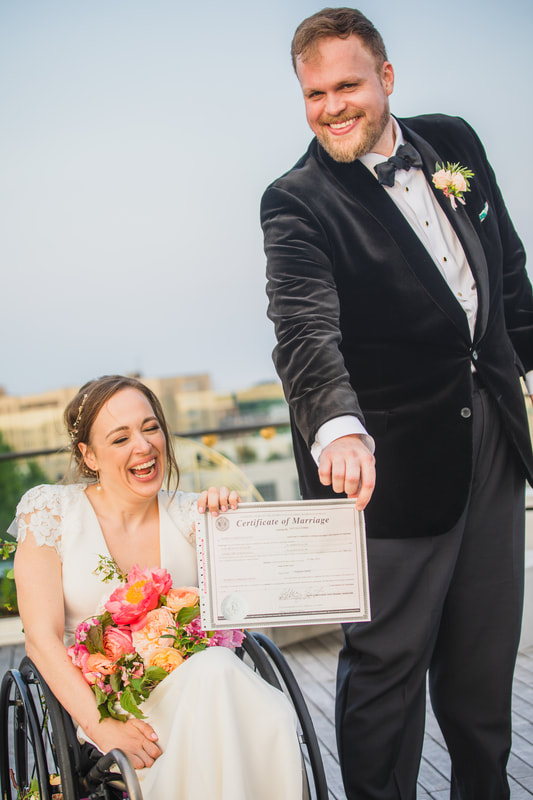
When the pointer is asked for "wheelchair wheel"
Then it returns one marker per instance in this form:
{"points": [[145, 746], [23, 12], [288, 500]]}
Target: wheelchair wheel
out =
{"points": [[25, 761], [268, 660], [43, 742]]}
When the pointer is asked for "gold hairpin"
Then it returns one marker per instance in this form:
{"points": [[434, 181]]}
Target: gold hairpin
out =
{"points": [[74, 431]]}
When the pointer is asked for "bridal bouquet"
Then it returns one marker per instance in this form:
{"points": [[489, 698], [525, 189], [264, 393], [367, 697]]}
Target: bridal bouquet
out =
{"points": [[147, 630]]}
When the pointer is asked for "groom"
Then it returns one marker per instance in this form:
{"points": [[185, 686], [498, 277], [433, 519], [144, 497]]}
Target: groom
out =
{"points": [[404, 320]]}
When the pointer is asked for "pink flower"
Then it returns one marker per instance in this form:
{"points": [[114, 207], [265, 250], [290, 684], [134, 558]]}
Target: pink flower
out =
{"points": [[453, 180], [130, 603], [83, 628], [79, 654], [195, 629], [161, 579], [459, 182], [442, 179], [180, 598], [117, 642], [230, 638]]}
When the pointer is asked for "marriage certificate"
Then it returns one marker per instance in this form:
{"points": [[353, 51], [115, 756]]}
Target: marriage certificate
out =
{"points": [[273, 564]]}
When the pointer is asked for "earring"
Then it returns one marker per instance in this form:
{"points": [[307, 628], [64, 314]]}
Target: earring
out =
{"points": [[98, 485]]}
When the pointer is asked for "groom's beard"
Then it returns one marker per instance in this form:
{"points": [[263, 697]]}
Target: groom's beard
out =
{"points": [[357, 143]]}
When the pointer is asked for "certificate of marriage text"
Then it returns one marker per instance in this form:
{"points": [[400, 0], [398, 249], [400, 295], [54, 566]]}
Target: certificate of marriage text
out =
{"points": [[275, 564]]}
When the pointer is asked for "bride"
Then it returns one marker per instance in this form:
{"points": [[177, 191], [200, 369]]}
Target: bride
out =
{"points": [[213, 729]]}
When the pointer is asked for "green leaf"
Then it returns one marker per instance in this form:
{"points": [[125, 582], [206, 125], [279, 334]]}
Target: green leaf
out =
{"points": [[101, 697], [115, 679], [112, 712], [198, 647], [137, 683], [155, 674], [187, 614], [127, 701], [95, 640], [105, 620]]}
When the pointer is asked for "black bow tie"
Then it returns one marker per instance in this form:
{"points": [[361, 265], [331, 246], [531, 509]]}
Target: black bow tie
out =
{"points": [[405, 158]]}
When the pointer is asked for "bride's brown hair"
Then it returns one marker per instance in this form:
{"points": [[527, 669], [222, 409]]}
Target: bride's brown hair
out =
{"points": [[83, 409]]}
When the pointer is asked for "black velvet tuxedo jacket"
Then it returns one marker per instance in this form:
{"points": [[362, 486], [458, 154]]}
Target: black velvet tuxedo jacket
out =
{"points": [[366, 324]]}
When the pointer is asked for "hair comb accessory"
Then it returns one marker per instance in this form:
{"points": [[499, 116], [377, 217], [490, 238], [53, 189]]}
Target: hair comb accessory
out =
{"points": [[74, 431]]}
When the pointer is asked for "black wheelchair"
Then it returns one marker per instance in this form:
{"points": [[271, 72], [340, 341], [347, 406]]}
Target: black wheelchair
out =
{"points": [[38, 739]]}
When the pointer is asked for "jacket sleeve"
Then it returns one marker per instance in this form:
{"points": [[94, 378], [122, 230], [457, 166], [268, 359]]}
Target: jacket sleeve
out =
{"points": [[516, 286], [304, 307]]}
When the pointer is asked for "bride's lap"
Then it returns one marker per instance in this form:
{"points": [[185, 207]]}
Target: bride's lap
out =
{"points": [[223, 730], [217, 673]]}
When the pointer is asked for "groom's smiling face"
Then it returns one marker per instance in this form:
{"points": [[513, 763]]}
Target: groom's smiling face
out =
{"points": [[346, 94]]}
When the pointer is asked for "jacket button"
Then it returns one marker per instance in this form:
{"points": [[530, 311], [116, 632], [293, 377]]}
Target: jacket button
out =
{"points": [[466, 413], [474, 355]]}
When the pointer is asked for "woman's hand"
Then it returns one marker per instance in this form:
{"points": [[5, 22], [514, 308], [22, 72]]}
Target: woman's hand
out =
{"points": [[135, 737], [215, 500]]}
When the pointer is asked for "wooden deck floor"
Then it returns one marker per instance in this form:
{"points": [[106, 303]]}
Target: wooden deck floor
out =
{"points": [[314, 664]]}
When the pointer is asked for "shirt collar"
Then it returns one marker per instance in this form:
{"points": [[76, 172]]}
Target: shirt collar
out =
{"points": [[371, 159]]}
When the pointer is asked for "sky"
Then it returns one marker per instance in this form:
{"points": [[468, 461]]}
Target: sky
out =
{"points": [[137, 138]]}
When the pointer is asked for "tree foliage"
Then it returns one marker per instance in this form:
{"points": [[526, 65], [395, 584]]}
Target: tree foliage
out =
{"points": [[15, 479]]}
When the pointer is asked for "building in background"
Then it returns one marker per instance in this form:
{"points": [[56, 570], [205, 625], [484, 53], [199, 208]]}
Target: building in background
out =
{"points": [[243, 427]]}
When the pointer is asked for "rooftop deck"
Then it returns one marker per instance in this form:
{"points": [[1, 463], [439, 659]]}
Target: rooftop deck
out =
{"points": [[314, 663]]}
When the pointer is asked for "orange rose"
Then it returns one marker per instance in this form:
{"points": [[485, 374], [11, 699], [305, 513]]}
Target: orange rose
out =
{"points": [[165, 657], [180, 598]]}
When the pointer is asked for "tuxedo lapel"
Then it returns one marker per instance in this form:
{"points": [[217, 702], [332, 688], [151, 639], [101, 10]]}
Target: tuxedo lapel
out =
{"points": [[357, 180], [462, 226]]}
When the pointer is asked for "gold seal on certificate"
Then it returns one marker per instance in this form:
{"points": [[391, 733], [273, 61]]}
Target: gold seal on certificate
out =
{"points": [[275, 564]]}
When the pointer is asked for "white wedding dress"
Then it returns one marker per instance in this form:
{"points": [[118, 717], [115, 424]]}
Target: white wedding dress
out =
{"points": [[225, 733]]}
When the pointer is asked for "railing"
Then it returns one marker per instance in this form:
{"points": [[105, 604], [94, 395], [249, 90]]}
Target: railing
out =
{"points": [[225, 432]]}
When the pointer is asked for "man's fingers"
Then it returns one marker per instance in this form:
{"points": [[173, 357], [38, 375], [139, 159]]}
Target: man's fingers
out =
{"points": [[348, 466]]}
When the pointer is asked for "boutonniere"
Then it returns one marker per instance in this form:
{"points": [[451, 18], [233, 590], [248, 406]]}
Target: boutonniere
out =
{"points": [[454, 181]]}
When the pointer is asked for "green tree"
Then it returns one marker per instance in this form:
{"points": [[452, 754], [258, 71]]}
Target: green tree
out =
{"points": [[15, 479]]}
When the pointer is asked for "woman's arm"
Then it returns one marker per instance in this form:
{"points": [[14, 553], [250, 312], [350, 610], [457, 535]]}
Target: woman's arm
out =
{"points": [[41, 606]]}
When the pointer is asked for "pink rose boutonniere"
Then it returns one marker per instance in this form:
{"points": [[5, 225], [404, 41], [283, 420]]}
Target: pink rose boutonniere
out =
{"points": [[454, 180]]}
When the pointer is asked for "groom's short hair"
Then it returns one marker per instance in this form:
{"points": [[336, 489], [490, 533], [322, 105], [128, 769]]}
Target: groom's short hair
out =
{"points": [[339, 22]]}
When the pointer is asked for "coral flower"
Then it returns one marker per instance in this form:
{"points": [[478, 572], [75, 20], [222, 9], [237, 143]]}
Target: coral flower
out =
{"points": [[117, 642], [96, 665]]}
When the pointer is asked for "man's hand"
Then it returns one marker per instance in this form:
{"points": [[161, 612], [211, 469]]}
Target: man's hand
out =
{"points": [[347, 465]]}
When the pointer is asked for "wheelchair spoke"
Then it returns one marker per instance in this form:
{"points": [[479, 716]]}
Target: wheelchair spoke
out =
{"points": [[18, 763]]}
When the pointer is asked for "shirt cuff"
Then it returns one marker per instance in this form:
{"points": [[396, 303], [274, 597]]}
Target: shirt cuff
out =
{"points": [[335, 428], [529, 382]]}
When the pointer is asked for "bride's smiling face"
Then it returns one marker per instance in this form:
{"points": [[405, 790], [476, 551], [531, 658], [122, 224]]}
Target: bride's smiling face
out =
{"points": [[127, 446]]}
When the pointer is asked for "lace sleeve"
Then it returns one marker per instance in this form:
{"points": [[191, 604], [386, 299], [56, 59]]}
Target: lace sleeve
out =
{"points": [[39, 511]]}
